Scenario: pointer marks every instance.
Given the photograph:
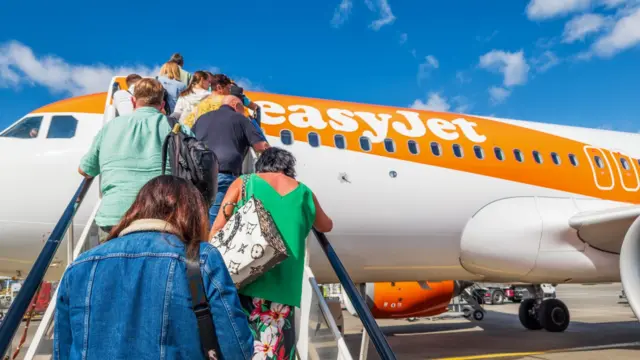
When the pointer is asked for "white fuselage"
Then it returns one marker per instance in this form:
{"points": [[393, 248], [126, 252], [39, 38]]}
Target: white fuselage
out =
{"points": [[394, 220]]}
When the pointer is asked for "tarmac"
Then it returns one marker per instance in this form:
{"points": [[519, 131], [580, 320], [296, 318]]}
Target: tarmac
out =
{"points": [[600, 328]]}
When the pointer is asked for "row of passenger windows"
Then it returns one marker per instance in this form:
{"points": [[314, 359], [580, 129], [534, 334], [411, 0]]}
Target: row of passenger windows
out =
{"points": [[61, 127], [340, 142]]}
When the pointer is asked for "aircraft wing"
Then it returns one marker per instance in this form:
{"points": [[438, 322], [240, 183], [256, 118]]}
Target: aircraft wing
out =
{"points": [[605, 229]]}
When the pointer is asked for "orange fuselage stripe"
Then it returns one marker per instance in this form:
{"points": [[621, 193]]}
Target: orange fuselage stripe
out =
{"points": [[328, 118]]}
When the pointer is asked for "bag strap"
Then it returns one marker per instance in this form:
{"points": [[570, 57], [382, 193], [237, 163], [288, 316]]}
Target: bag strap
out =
{"points": [[165, 145], [245, 178], [206, 328]]}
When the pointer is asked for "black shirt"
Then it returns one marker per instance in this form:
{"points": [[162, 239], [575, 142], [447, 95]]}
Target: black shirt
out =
{"points": [[228, 134]]}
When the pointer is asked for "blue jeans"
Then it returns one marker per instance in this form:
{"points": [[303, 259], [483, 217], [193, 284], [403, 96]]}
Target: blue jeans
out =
{"points": [[224, 181]]}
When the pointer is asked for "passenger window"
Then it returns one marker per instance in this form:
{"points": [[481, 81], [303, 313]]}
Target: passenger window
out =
{"points": [[625, 164], [555, 158], [537, 157], [599, 162], [413, 147], [286, 137], [389, 145], [314, 139], [365, 143], [457, 151], [62, 127], [499, 153], [436, 149], [518, 155], [340, 142], [27, 128], [479, 152], [573, 160]]}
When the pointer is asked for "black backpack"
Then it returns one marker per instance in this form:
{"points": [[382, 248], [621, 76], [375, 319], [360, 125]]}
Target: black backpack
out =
{"points": [[190, 159]]}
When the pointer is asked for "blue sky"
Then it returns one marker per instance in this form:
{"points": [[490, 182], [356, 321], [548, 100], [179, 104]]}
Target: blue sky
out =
{"points": [[559, 61]]}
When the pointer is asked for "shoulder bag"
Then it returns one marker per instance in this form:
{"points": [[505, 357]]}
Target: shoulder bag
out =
{"points": [[250, 242]]}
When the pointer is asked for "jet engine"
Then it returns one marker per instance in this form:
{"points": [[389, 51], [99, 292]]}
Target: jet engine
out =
{"points": [[397, 300], [630, 266]]}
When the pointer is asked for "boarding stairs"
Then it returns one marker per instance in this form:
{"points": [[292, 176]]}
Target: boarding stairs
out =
{"points": [[318, 322]]}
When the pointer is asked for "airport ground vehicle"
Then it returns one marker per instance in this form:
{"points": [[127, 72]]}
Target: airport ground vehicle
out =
{"points": [[495, 294]]}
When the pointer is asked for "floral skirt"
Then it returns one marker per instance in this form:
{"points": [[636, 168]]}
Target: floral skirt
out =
{"points": [[273, 328]]}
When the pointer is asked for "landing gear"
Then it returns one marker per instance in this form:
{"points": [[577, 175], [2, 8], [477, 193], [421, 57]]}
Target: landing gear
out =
{"points": [[527, 315], [554, 315], [550, 314], [474, 308]]}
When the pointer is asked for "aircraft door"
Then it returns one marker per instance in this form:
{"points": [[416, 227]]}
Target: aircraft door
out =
{"points": [[627, 170], [601, 168]]}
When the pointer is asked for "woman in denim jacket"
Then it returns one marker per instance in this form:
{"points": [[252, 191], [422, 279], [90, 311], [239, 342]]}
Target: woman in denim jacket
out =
{"points": [[129, 298]]}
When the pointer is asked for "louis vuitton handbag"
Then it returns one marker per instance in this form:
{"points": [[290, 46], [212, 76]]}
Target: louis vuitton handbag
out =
{"points": [[250, 242]]}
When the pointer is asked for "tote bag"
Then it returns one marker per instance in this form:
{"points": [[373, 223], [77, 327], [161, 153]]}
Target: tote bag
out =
{"points": [[250, 242]]}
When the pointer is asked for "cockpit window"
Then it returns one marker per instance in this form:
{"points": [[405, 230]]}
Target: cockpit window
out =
{"points": [[27, 128], [62, 127]]}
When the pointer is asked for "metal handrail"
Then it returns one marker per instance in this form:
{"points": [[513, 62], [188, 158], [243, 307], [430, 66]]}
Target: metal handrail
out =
{"points": [[21, 303], [369, 322]]}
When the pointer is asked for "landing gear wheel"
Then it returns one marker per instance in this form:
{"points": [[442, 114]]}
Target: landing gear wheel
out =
{"points": [[466, 313], [478, 315], [527, 315], [554, 315], [497, 298]]}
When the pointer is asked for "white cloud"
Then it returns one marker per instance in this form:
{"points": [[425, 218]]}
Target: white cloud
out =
{"points": [[434, 102], [414, 53], [246, 84], [513, 66], [462, 105], [19, 65], [624, 35], [614, 3], [341, 13], [487, 38], [547, 9], [437, 102], [546, 61], [581, 26], [384, 11], [425, 68], [462, 78], [498, 94], [403, 38]]}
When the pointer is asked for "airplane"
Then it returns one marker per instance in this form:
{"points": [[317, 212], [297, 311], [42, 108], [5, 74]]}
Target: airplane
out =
{"points": [[413, 194]]}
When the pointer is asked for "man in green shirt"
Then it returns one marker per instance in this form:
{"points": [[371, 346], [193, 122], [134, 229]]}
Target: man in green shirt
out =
{"points": [[127, 152]]}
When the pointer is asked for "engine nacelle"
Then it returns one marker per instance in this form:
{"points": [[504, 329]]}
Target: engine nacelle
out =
{"points": [[409, 299], [529, 239], [630, 266]]}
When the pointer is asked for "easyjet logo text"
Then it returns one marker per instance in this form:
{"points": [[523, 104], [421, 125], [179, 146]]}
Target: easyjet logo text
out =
{"points": [[406, 123]]}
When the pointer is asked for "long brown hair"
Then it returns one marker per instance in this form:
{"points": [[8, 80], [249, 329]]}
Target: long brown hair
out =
{"points": [[196, 79], [175, 201]]}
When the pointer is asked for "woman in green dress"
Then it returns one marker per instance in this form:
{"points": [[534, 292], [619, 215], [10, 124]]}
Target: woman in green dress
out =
{"points": [[270, 300]]}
